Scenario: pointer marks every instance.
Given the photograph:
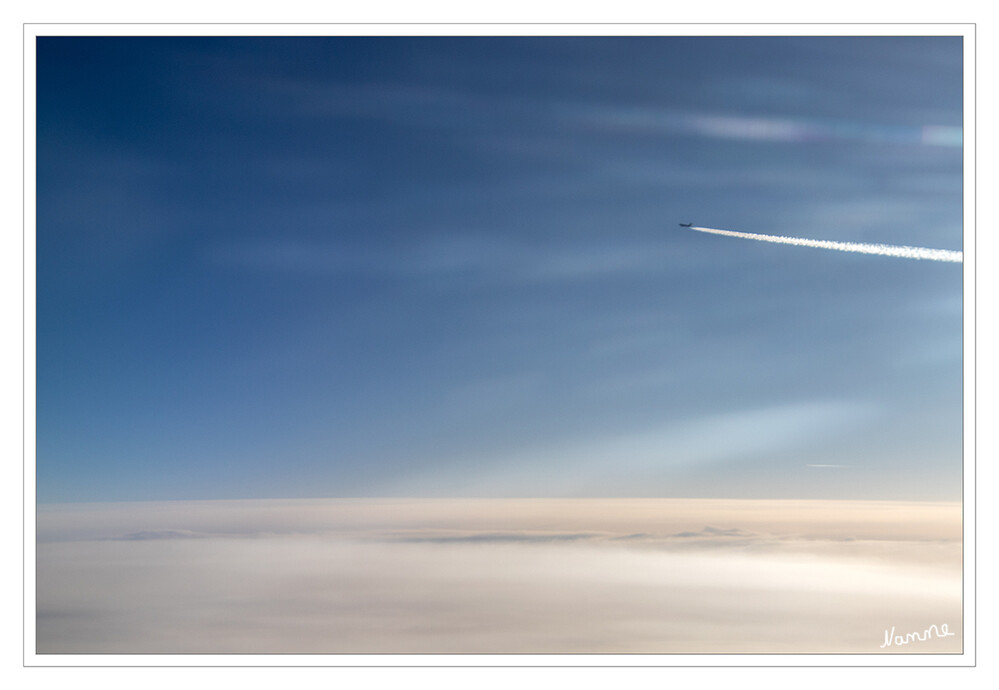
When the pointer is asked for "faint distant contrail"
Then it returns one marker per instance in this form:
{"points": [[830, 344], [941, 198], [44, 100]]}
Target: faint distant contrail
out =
{"points": [[882, 249]]}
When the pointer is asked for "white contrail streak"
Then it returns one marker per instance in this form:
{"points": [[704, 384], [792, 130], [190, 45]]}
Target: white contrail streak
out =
{"points": [[882, 249]]}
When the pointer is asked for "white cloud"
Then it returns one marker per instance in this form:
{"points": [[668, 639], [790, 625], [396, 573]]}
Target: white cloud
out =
{"points": [[649, 120], [481, 576]]}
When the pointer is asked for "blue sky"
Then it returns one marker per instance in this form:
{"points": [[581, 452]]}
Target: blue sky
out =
{"points": [[451, 267]]}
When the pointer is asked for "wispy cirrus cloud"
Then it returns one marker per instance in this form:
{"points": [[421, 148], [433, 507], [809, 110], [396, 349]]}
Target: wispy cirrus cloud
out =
{"points": [[651, 120], [481, 258], [591, 465]]}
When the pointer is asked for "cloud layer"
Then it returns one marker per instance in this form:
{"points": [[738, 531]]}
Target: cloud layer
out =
{"points": [[497, 576]]}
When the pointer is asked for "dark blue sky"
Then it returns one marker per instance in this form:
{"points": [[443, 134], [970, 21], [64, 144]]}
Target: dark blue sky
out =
{"points": [[451, 266]]}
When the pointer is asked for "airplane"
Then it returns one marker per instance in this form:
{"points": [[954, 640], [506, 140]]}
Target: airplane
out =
{"points": [[685, 225]]}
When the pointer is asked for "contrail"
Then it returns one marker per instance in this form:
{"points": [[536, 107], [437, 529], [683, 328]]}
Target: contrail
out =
{"points": [[882, 249]]}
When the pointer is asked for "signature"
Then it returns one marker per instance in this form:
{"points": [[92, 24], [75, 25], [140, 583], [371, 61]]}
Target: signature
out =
{"points": [[892, 639]]}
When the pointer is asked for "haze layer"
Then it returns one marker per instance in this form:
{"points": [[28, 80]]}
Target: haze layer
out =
{"points": [[498, 576]]}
